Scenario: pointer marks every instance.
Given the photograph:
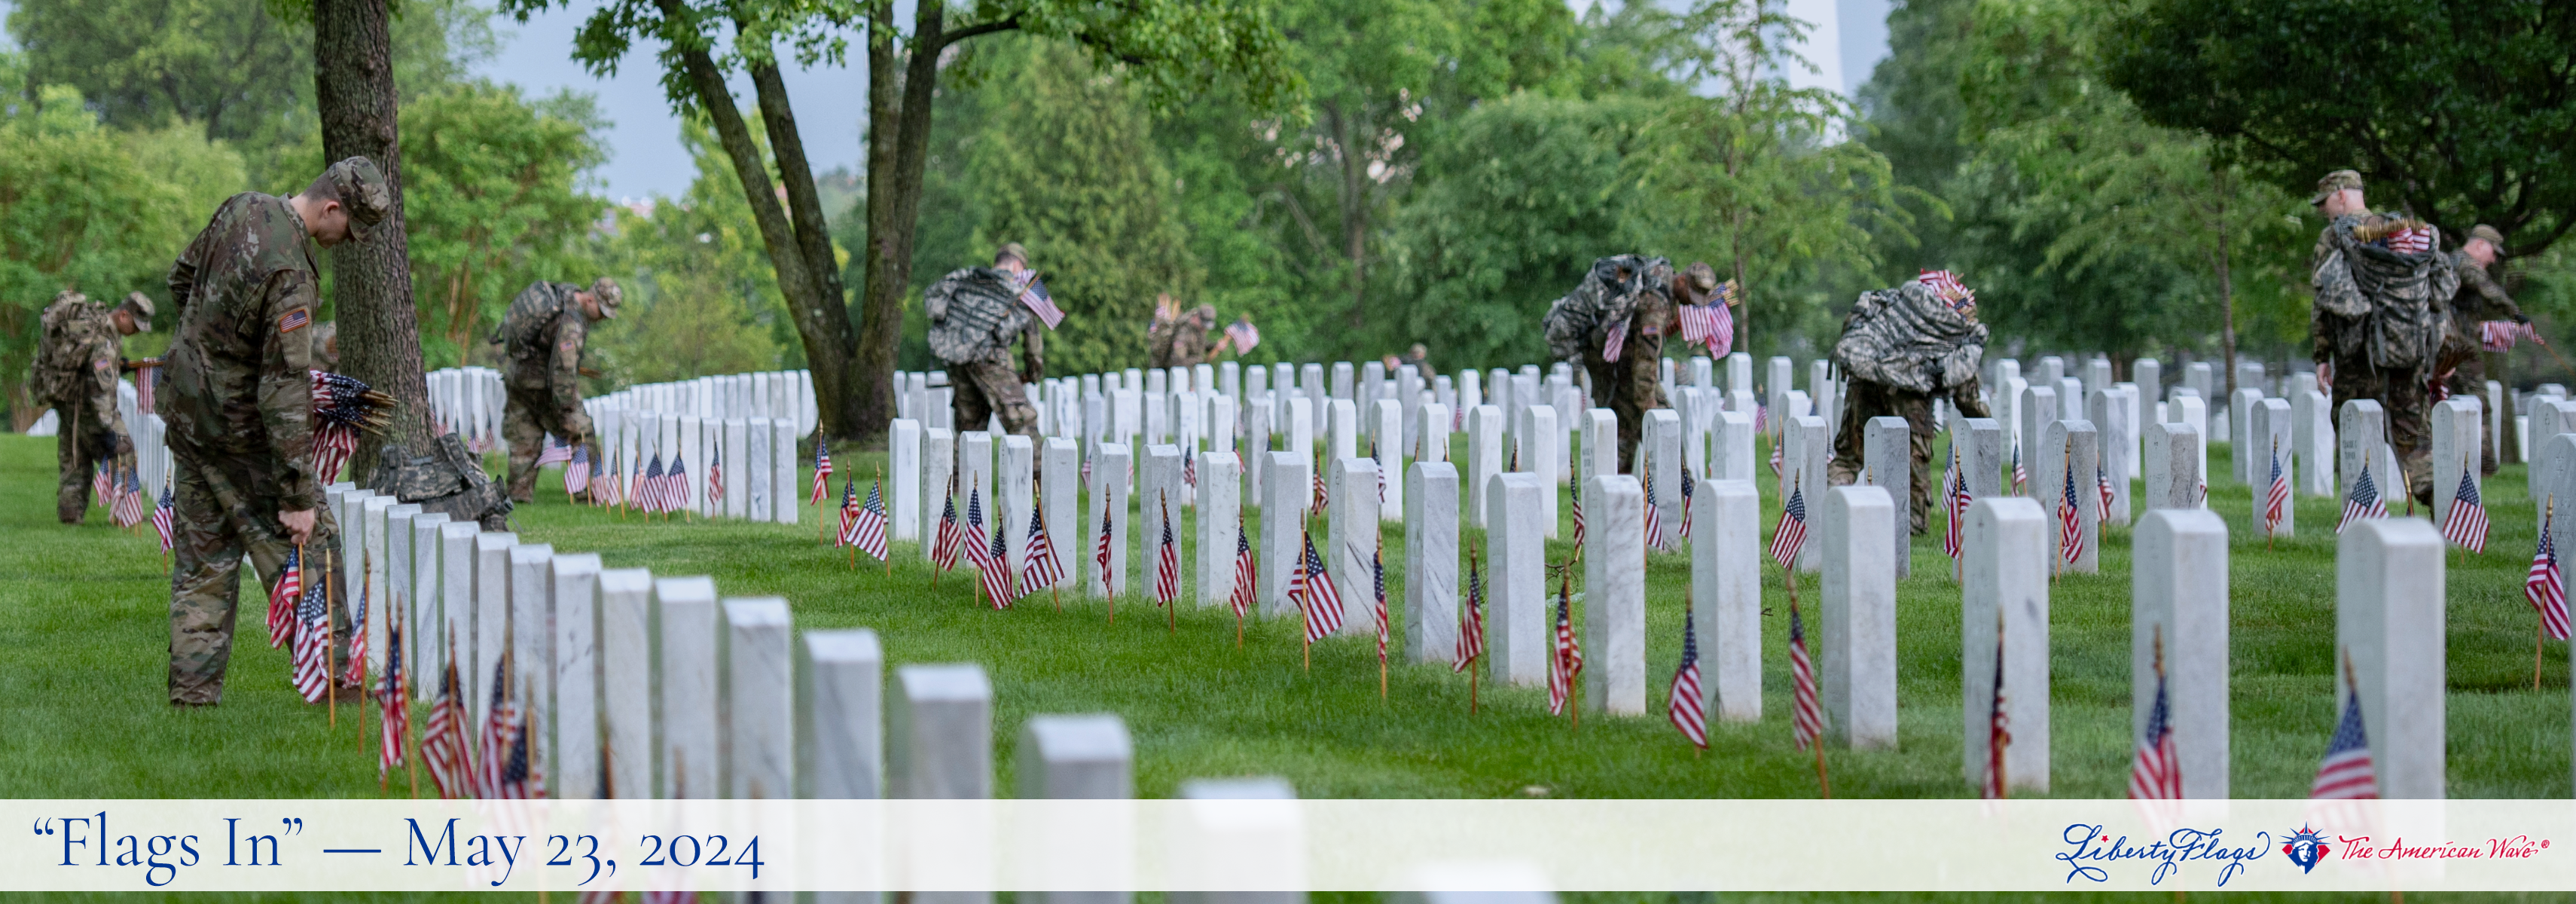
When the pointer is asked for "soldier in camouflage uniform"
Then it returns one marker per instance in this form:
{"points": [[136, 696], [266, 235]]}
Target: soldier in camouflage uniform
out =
{"points": [[2463, 366], [541, 340], [238, 398], [2378, 318], [75, 374], [975, 313], [1900, 349], [1629, 296], [1181, 341]]}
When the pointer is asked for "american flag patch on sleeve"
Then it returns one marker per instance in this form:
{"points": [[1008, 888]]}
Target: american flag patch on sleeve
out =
{"points": [[294, 320]]}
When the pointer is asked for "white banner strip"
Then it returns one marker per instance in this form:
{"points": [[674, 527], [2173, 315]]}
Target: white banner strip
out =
{"points": [[1286, 845]]}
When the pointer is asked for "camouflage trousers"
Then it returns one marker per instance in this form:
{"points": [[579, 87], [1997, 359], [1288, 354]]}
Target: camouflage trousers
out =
{"points": [[223, 510], [985, 389], [530, 415], [77, 453], [2467, 378], [1629, 387], [1869, 400], [2405, 401]]}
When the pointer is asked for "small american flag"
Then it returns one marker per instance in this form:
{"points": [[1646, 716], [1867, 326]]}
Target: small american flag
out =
{"points": [[1776, 462], [1038, 566], [284, 597], [1167, 560], [1610, 348], [147, 374], [128, 510], [2070, 522], [1323, 500], [577, 473], [1189, 467], [822, 470], [978, 546], [1564, 661], [102, 486], [312, 657], [1792, 532], [2467, 523], [2102, 481], [2499, 335], [511, 777], [1807, 715], [336, 399], [1655, 538], [1101, 554], [2347, 772], [1033, 292], [1690, 488], [2276, 496], [1377, 578], [943, 549], [443, 746], [1685, 709], [675, 492], [1709, 324], [1471, 623], [648, 489], [2156, 773], [2364, 502], [2021, 476], [1578, 517], [1244, 334], [1998, 725], [1954, 501], [715, 477], [1761, 421], [869, 533], [555, 452], [161, 515], [1323, 600], [1243, 569], [998, 579], [357, 670], [2546, 587], [612, 489], [395, 728], [1946, 285], [849, 514]]}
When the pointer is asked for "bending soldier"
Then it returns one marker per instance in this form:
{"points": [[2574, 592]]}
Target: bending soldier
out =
{"points": [[1614, 322], [2380, 281], [541, 340], [975, 313], [75, 374], [238, 399], [1900, 349]]}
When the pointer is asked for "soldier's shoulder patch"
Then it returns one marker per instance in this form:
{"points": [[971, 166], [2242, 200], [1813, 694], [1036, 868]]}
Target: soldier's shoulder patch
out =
{"points": [[294, 320], [103, 365]]}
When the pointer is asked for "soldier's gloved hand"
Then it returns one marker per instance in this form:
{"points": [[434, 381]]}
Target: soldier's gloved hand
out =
{"points": [[2523, 319], [577, 424], [124, 448], [1037, 371]]}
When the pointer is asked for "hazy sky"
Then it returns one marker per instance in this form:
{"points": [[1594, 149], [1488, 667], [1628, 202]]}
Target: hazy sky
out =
{"points": [[645, 156]]}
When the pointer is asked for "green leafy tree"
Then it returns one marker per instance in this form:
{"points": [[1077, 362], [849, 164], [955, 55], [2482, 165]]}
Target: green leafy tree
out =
{"points": [[496, 202], [1170, 48], [84, 206], [2453, 109], [1068, 168]]}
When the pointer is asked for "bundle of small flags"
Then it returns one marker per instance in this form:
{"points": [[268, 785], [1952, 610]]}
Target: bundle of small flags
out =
{"points": [[343, 406], [2409, 238], [2499, 335], [1945, 285], [1711, 324], [102, 485]]}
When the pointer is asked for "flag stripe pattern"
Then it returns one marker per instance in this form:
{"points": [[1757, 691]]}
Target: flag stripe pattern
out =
{"points": [[2347, 772], [312, 653], [822, 471], [1565, 660], [1038, 568], [1998, 728], [1792, 532], [2276, 496], [1471, 624], [161, 515], [443, 747], [1167, 562], [394, 728], [1955, 501], [2070, 524], [2156, 774], [1323, 600], [2363, 503], [283, 598], [2467, 524], [577, 471], [943, 550], [1685, 709], [1655, 538], [1807, 711], [1243, 570], [2546, 587]]}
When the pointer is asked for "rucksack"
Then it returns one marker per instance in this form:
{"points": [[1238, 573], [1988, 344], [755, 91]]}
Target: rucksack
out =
{"points": [[1606, 295]]}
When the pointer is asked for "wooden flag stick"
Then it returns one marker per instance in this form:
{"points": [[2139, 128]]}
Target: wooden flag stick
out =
{"points": [[329, 693], [1824, 786], [889, 559]]}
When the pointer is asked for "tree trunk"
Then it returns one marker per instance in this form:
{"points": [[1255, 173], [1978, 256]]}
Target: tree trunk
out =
{"points": [[1354, 212], [830, 345], [353, 81], [2226, 282], [795, 275]]}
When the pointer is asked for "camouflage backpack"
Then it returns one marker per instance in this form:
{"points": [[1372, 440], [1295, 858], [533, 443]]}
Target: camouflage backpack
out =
{"points": [[2397, 298], [971, 309], [523, 329], [55, 377], [1606, 296], [448, 480]]}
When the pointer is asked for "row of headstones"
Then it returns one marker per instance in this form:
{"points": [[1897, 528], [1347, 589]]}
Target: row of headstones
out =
{"points": [[786, 395], [468, 402], [639, 686], [150, 435], [757, 458]]}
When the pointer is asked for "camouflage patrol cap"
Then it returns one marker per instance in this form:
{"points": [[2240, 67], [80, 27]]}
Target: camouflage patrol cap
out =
{"points": [[1012, 250], [140, 305], [1702, 276], [363, 193], [2488, 233], [2334, 182], [605, 289]]}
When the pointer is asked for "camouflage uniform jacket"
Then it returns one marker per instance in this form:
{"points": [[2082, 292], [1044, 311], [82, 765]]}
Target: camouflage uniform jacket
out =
{"points": [[1909, 339], [975, 312], [79, 361], [2479, 299], [542, 338], [2376, 304], [238, 382], [1605, 299]]}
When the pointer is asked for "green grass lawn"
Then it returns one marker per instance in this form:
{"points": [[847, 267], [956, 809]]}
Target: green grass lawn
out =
{"points": [[83, 684]]}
